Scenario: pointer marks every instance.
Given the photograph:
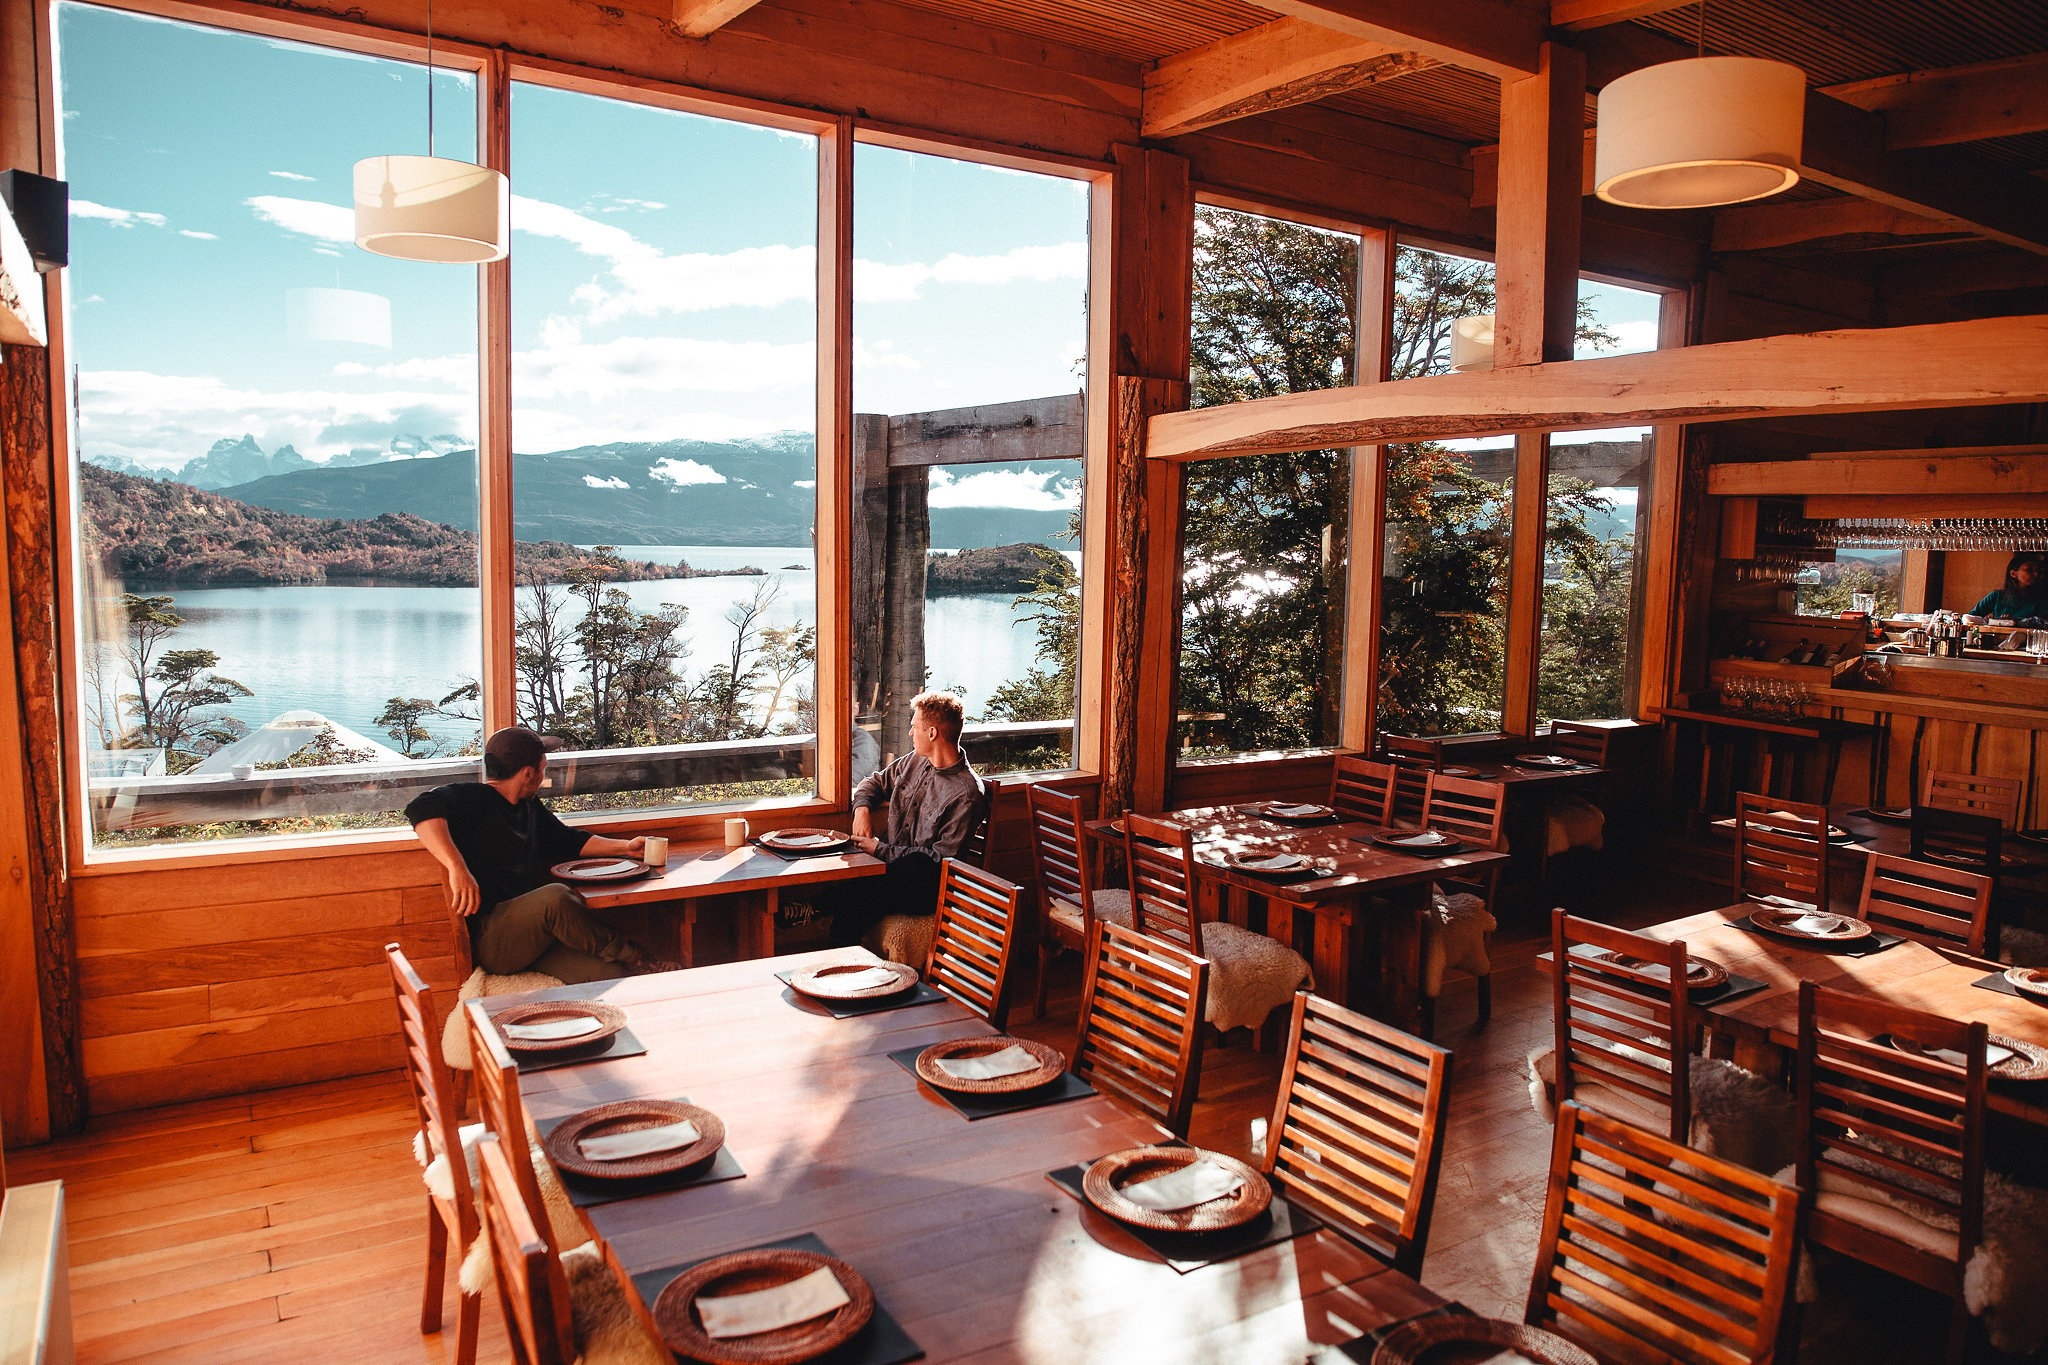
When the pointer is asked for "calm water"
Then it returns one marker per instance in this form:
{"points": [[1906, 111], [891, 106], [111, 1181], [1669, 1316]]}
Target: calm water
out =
{"points": [[344, 651]]}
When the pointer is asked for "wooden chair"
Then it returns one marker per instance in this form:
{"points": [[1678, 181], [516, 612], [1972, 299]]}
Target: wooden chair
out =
{"points": [[1623, 1034], [977, 927], [1251, 975], [1413, 749], [1140, 1035], [1881, 1131], [1580, 742], [1781, 850], [1974, 794], [1358, 1131], [908, 938], [1969, 840], [531, 1283], [1943, 907], [1363, 789], [1413, 760], [451, 1220], [1475, 811], [1063, 856], [1653, 1252], [1571, 821], [500, 1106]]}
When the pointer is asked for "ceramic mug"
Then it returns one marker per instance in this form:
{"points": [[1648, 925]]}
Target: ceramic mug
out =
{"points": [[655, 851], [735, 832]]}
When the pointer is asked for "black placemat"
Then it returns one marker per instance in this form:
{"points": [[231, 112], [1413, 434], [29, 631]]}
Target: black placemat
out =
{"points": [[1185, 1251], [587, 1192], [624, 1043], [1733, 988], [1875, 941], [1361, 1350], [1996, 982], [1449, 850], [798, 855], [1307, 873], [882, 1342], [920, 994], [971, 1107]]}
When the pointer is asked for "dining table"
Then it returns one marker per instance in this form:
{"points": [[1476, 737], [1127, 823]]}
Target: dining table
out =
{"points": [[1764, 1025], [750, 879], [970, 1249], [1369, 906]]}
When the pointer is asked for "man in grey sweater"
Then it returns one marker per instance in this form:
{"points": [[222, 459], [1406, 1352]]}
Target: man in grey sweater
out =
{"points": [[935, 805]]}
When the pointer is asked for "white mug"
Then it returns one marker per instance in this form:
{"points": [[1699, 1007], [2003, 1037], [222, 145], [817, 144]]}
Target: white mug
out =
{"points": [[735, 832], [655, 852]]}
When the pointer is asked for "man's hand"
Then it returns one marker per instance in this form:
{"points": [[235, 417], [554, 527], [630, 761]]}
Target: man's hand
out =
{"points": [[866, 843], [864, 827], [463, 897]]}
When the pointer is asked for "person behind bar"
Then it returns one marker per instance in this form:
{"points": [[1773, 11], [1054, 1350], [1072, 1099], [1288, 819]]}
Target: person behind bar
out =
{"points": [[935, 804], [2024, 597], [496, 842]]}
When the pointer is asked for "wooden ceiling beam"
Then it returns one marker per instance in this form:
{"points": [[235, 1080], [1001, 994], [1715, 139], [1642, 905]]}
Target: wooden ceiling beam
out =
{"points": [[1990, 273], [1273, 66], [1498, 37], [1836, 475], [701, 18], [1576, 15], [1953, 364], [1957, 103], [1761, 227]]}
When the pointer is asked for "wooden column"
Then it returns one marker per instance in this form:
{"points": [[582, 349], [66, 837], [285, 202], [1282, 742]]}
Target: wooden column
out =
{"points": [[1536, 291], [1367, 538], [1660, 571], [835, 543], [867, 549], [1150, 286], [494, 443], [907, 558]]}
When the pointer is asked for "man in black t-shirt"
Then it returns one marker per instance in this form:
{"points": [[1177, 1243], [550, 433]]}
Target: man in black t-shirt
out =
{"points": [[496, 842]]}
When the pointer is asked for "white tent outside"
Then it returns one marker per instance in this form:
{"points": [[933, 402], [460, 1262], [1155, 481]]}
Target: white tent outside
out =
{"points": [[285, 736]]}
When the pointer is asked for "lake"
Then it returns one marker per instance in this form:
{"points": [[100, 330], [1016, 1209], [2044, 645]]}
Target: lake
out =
{"points": [[344, 651]]}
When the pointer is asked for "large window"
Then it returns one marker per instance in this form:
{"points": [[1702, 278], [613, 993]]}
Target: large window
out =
{"points": [[275, 437], [970, 348], [664, 424], [1265, 537]]}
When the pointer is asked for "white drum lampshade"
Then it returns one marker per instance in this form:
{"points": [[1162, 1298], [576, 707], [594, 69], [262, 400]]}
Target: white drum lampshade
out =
{"points": [[1698, 133], [429, 208], [1472, 343]]}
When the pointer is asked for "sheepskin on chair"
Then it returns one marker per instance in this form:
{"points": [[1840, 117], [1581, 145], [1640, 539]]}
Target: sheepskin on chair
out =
{"points": [[904, 938], [455, 1029], [608, 1332], [1454, 935], [1572, 822], [2006, 1282], [1737, 1115], [1250, 975], [2022, 947]]}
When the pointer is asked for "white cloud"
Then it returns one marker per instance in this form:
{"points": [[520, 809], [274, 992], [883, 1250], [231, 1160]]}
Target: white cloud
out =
{"points": [[292, 175], [121, 218], [620, 204], [1049, 491], [874, 282], [565, 366], [1637, 335], [805, 483], [592, 481], [683, 473], [308, 217], [199, 236], [881, 354]]}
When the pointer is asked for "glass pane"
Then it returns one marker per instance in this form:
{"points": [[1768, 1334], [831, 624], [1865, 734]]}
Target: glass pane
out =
{"points": [[664, 430], [1449, 531], [1596, 530], [276, 433], [970, 292], [1264, 537]]}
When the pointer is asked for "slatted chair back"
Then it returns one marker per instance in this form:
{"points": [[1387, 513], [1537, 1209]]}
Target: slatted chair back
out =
{"points": [[1890, 1127], [1955, 838], [1651, 1251], [1781, 849], [1943, 907], [1061, 852], [1140, 1037], [531, 1283], [1579, 742], [1622, 1020], [1358, 1132], [1160, 855], [500, 1107], [1974, 794], [433, 1089], [974, 851], [1363, 789], [972, 941], [1413, 749], [1471, 808]]}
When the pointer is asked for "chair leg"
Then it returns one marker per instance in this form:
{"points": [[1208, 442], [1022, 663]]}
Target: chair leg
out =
{"points": [[1486, 997], [1429, 1016], [437, 1269], [1958, 1332], [468, 1323], [1047, 951]]}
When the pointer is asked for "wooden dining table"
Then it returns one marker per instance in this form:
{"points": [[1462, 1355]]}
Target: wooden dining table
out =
{"points": [[753, 878], [1764, 1025], [968, 1245], [1369, 908]]}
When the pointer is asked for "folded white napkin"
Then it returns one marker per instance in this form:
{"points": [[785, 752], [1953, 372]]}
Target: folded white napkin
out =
{"points": [[806, 840], [765, 1310], [1011, 1061], [1195, 1183], [1993, 1054], [1815, 923], [1295, 811], [1423, 838], [1273, 862], [669, 1137], [858, 981], [553, 1030]]}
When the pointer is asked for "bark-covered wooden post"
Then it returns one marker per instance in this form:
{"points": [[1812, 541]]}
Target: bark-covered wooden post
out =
{"points": [[892, 538]]}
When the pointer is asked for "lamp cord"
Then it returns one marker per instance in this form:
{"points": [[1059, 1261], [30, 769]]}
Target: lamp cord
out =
{"points": [[430, 75]]}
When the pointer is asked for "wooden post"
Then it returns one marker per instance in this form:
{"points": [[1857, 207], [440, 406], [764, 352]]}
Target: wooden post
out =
{"points": [[867, 578], [907, 556], [495, 523], [834, 541], [1366, 547]]}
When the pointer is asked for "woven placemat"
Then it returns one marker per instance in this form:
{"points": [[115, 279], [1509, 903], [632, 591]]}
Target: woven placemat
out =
{"points": [[882, 1342], [1874, 942], [971, 1107], [587, 1194], [1361, 1350], [797, 855], [624, 1043], [1186, 1251], [920, 994], [1329, 817]]}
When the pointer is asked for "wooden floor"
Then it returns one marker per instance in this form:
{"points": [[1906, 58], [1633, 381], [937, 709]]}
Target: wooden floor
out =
{"points": [[289, 1226]]}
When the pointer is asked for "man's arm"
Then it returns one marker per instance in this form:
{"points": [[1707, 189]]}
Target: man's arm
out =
{"points": [[871, 791], [624, 848], [463, 897], [949, 836]]}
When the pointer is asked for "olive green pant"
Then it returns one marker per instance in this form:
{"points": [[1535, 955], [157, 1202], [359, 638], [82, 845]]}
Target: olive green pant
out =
{"points": [[548, 930]]}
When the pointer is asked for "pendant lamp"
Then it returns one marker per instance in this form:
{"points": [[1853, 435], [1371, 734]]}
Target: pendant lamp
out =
{"points": [[1699, 133], [431, 208], [1472, 343]]}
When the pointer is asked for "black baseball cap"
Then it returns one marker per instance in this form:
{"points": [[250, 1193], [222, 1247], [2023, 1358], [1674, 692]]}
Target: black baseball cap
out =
{"points": [[516, 748]]}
